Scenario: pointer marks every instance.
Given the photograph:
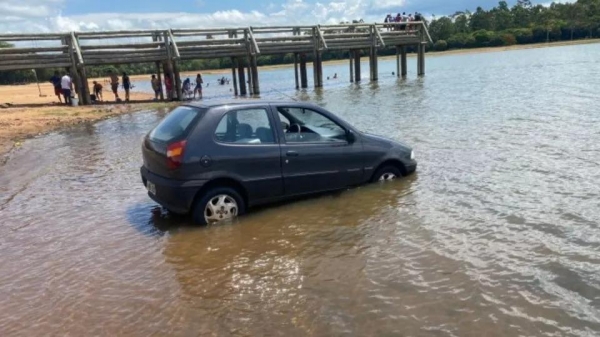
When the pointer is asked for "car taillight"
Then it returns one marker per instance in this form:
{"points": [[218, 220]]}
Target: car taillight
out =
{"points": [[175, 154]]}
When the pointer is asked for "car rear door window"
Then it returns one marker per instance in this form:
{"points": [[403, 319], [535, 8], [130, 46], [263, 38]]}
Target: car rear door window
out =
{"points": [[247, 126], [176, 124]]}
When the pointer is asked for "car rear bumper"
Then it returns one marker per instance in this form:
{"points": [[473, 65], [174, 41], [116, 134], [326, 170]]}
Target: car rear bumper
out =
{"points": [[175, 195]]}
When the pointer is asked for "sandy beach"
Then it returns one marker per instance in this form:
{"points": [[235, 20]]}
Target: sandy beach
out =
{"points": [[29, 110]]}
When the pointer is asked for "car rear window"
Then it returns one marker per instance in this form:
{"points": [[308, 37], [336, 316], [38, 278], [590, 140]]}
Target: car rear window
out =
{"points": [[176, 124]]}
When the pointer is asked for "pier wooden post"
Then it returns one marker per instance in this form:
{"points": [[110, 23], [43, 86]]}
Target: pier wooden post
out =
{"points": [[73, 72], [357, 65], [159, 77], [233, 75], [168, 68], [397, 61], [373, 64], [373, 56], [350, 59], [87, 100], [254, 68], [156, 38], [403, 66], [177, 81], [241, 77], [250, 79], [421, 59], [303, 75], [296, 70], [318, 70]]}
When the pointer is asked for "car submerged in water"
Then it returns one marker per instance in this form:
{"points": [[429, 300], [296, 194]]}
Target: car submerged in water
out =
{"points": [[215, 160]]}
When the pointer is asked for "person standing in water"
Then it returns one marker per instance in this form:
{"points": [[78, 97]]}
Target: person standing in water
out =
{"points": [[198, 87], [126, 86]]}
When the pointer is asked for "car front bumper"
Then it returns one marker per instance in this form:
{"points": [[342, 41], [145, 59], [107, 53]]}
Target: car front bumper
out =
{"points": [[175, 195], [411, 166]]}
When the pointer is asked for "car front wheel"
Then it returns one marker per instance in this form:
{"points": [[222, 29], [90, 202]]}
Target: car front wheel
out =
{"points": [[385, 173], [218, 204]]}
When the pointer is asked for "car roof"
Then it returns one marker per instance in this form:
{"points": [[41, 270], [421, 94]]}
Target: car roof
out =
{"points": [[242, 102]]}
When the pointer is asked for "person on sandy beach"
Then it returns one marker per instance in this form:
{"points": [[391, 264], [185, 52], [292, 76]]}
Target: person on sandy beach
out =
{"points": [[155, 86], [126, 86], [55, 80], [66, 85], [198, 87], [98, 91], [169, 87], [114, 84]]}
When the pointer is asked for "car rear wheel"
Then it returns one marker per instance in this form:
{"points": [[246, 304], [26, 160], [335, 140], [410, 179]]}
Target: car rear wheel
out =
{"points": [[218, 204], [386, 173]]}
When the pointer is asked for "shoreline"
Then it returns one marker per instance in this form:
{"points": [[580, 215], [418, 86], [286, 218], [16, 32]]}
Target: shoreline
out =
{"points": [[20, 123], [34, 110]]}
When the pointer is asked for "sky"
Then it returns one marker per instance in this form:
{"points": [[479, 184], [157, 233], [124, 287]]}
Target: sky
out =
{"points": [[25, 16]]}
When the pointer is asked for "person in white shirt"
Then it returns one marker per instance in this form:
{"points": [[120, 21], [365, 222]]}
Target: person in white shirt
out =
{"points": [[66, 84]]}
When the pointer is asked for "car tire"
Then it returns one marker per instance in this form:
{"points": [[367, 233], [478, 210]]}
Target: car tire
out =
{"points": [[227, 204], [387, 172]]}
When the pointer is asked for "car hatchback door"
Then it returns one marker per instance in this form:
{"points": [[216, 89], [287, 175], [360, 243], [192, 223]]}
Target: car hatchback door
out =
{"points": [[316, 153]]}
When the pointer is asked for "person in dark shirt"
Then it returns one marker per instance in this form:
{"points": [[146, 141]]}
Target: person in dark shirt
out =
{"points": [[126, 86], [55, 80]]}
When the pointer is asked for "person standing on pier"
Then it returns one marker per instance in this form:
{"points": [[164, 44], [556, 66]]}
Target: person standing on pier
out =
{"points": [[55, 80], [198, 87], [114, 84], [66, 85], [126, 86]]}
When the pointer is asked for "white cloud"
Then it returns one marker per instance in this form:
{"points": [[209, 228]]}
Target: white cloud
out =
{"points": [[28, 16]]}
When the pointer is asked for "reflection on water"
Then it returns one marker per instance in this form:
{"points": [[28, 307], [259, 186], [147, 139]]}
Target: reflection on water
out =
{"points": [[497, 233]]}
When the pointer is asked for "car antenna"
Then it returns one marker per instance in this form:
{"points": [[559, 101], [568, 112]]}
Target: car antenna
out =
{"points": [[284, 94]]}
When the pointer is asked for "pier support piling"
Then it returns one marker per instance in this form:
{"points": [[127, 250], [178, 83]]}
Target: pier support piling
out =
{"points": [[403, 67], [241, 77], [159, 77], [357, 65], [318, 70], [296, 70], [421, 59], [350, 59], [373, 64], [303, 75], [177, 81], [254, 70], [233, 75]]}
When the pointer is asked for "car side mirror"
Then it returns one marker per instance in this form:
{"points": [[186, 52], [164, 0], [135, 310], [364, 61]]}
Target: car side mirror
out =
{"points": [[350, 136]]}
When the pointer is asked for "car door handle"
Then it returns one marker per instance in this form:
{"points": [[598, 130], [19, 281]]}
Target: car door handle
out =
{"points": [[292, 154]]}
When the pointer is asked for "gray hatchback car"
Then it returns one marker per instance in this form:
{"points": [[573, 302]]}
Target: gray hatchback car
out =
{"points": [[217, 159]]}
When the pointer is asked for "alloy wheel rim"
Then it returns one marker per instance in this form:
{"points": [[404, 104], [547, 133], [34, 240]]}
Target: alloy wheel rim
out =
{"points": [[387, 176], [220, 208]]}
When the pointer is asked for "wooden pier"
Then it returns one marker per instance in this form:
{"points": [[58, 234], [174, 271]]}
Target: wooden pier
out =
{"points": [[75, 51]]}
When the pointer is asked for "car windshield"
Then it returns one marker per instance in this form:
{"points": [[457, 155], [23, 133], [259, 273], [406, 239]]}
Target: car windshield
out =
{"points": [[176, 124]]}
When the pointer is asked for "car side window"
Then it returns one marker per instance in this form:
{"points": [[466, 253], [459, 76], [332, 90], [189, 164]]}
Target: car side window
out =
{"points": [[303, 125], [248, 126]]}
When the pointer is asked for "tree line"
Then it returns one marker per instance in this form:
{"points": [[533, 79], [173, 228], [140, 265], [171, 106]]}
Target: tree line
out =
{"points": [[523, 23], [500, 26]]}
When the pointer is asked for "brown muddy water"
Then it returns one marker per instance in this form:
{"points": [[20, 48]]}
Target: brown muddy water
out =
{"points": [[496, 235]]}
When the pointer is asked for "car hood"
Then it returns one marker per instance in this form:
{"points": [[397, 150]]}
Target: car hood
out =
{"points": [[386, 141]]}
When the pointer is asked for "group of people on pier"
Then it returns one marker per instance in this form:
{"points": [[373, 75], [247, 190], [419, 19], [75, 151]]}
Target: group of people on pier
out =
{"points": [[402, 18]]}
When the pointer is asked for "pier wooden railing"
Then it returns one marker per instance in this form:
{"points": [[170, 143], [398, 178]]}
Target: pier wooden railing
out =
{"points": [[76, 50]]}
